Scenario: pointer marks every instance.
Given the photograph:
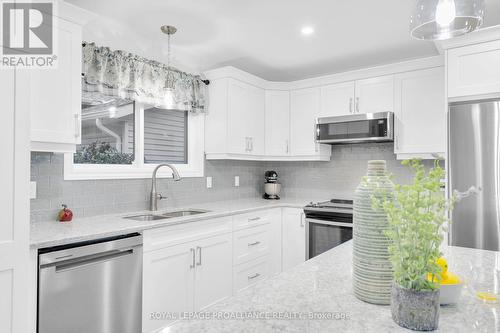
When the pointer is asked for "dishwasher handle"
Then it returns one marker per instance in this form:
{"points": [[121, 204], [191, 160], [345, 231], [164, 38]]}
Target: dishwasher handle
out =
{"points": [[89, 260]]}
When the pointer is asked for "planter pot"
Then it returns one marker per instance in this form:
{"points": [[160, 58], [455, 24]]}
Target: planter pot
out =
{"points": [[416, 310]]}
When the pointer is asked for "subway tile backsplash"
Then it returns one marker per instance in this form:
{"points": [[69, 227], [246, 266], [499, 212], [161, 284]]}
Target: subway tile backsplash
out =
{"points": [[96, 197], [315, 180]]}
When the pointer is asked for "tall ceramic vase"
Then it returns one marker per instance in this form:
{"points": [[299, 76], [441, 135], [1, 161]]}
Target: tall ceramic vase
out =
{"points": [[372, 271]]}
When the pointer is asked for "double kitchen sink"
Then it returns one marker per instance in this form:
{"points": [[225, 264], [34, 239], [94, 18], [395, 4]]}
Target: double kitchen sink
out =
{"points": [[168, 215]]}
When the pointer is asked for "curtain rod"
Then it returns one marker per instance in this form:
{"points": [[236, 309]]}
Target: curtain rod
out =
{"points": [[206, 82]]}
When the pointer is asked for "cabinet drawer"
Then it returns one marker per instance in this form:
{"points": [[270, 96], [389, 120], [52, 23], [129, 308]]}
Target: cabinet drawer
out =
{"points": [[251, 243], [177, 234], [245, 275], [258, 217]]}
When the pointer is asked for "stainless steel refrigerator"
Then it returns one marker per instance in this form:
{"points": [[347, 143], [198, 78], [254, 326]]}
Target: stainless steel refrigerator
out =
{"points": [[474, 160]]}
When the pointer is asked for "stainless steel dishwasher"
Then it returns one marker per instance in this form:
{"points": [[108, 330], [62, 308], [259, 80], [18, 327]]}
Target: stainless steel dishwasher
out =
{"points": [[91, 286]]}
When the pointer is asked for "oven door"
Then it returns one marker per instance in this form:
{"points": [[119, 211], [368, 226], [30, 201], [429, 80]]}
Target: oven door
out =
{"points": [[322, 235]]}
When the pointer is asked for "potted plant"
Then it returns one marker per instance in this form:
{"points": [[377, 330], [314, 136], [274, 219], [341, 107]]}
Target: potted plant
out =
{"points": [[416, 215]]}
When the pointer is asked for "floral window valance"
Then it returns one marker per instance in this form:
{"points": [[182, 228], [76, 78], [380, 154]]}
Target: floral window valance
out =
{"points": [[122, 75]]}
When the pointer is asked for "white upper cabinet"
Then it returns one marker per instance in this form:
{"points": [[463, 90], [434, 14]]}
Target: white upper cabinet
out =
{"points": [[337, 99], [420, 113], [277, 123], [374, 95], [305, 106], [361, 96], [474, 70], [55, 94], [235, 122]]}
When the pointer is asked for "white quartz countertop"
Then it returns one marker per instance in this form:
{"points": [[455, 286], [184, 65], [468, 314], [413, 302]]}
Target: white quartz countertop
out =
{"points": [[322, 287], [53, 233]]}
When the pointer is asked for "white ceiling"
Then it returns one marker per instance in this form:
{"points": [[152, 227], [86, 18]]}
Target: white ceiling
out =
{"points": [[263, 36]]}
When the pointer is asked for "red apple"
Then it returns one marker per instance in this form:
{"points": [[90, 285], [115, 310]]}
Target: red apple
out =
{"points": [[65, 214]]}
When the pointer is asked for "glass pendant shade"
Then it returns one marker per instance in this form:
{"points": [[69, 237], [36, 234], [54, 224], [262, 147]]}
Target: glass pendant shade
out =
{"points": [[443, 19]]}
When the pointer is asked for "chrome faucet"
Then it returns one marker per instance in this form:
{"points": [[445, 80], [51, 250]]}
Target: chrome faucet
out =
{"points": [[153, 205]]}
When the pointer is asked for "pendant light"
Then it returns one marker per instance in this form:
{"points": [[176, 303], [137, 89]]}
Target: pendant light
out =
{"points": [[169, 101], [444, 19]]}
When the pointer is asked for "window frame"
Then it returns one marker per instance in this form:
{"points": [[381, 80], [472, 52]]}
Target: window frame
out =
{"points": [[139, 169]]}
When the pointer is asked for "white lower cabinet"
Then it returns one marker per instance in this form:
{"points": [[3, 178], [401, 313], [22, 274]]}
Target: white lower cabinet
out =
{"points": [[294, 237], [246, 274], [168, 279], [213, 273], [185, 276], [189, 267]]}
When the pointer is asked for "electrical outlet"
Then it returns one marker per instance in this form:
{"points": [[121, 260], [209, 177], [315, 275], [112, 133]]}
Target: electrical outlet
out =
{"points": [[209, 182], [32, 190], [236, 181]]}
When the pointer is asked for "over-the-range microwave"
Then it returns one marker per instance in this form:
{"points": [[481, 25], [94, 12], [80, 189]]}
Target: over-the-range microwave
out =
{"points": [[356, 128]]}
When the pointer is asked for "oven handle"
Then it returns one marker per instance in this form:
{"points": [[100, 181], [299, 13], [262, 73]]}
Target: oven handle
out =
{"points": [[332, 223]]}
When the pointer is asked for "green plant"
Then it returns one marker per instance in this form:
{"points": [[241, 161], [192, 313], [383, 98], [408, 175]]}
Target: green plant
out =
{"points": [[416, 215], [102, 153]]}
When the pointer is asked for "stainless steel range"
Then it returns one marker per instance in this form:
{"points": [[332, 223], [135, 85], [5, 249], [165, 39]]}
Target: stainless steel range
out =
{"points": [[328, 224]]}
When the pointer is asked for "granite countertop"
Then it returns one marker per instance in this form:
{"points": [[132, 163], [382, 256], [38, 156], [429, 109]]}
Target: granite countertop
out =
{"points": [[52, 233], [322, 287]]}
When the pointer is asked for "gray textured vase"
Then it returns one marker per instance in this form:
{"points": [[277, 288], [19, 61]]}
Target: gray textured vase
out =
{"points": [[416, 310], [372, 270]]}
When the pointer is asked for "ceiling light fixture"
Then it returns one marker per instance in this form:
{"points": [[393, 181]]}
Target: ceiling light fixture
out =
{"points": [[169, 100], [306, 31], [443, 19]]}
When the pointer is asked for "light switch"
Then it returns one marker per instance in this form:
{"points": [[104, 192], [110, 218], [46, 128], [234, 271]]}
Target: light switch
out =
{"points": [[209, 182], [32, 190], [236, 181]]}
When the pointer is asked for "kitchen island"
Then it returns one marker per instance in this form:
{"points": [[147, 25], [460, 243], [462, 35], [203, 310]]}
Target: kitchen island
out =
{"points": [[317, 296]]}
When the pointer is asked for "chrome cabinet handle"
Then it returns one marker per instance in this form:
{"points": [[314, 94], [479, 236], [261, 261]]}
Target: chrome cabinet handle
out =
{"points": [[256, 275], [254, 243], [302, 219], [193, 258], [251, 144], [350, 105], [357, 104], [199, 256], [247, 145], [287, 148], [254, 219], [397, 142]]}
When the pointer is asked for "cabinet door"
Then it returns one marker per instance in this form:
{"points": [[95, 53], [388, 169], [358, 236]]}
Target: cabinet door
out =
{"points": [[237, 138], [14, 205], [420, 112], [294, 237], [168, 277], [277, 123], [337, 99], [246, 107], [474, 69], [213, 276], [304, 111], [374, 95], [56, 93], [255, 120]]}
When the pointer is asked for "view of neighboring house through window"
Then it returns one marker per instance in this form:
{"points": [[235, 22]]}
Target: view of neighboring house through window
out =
{"points": [[165, 136], [107, 135]]}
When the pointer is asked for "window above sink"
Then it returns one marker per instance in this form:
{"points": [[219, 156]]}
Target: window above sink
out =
{"points": [[130, 139]]}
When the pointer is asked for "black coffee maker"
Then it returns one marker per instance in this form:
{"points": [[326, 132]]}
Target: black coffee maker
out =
{"points": [[271, 186]]}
